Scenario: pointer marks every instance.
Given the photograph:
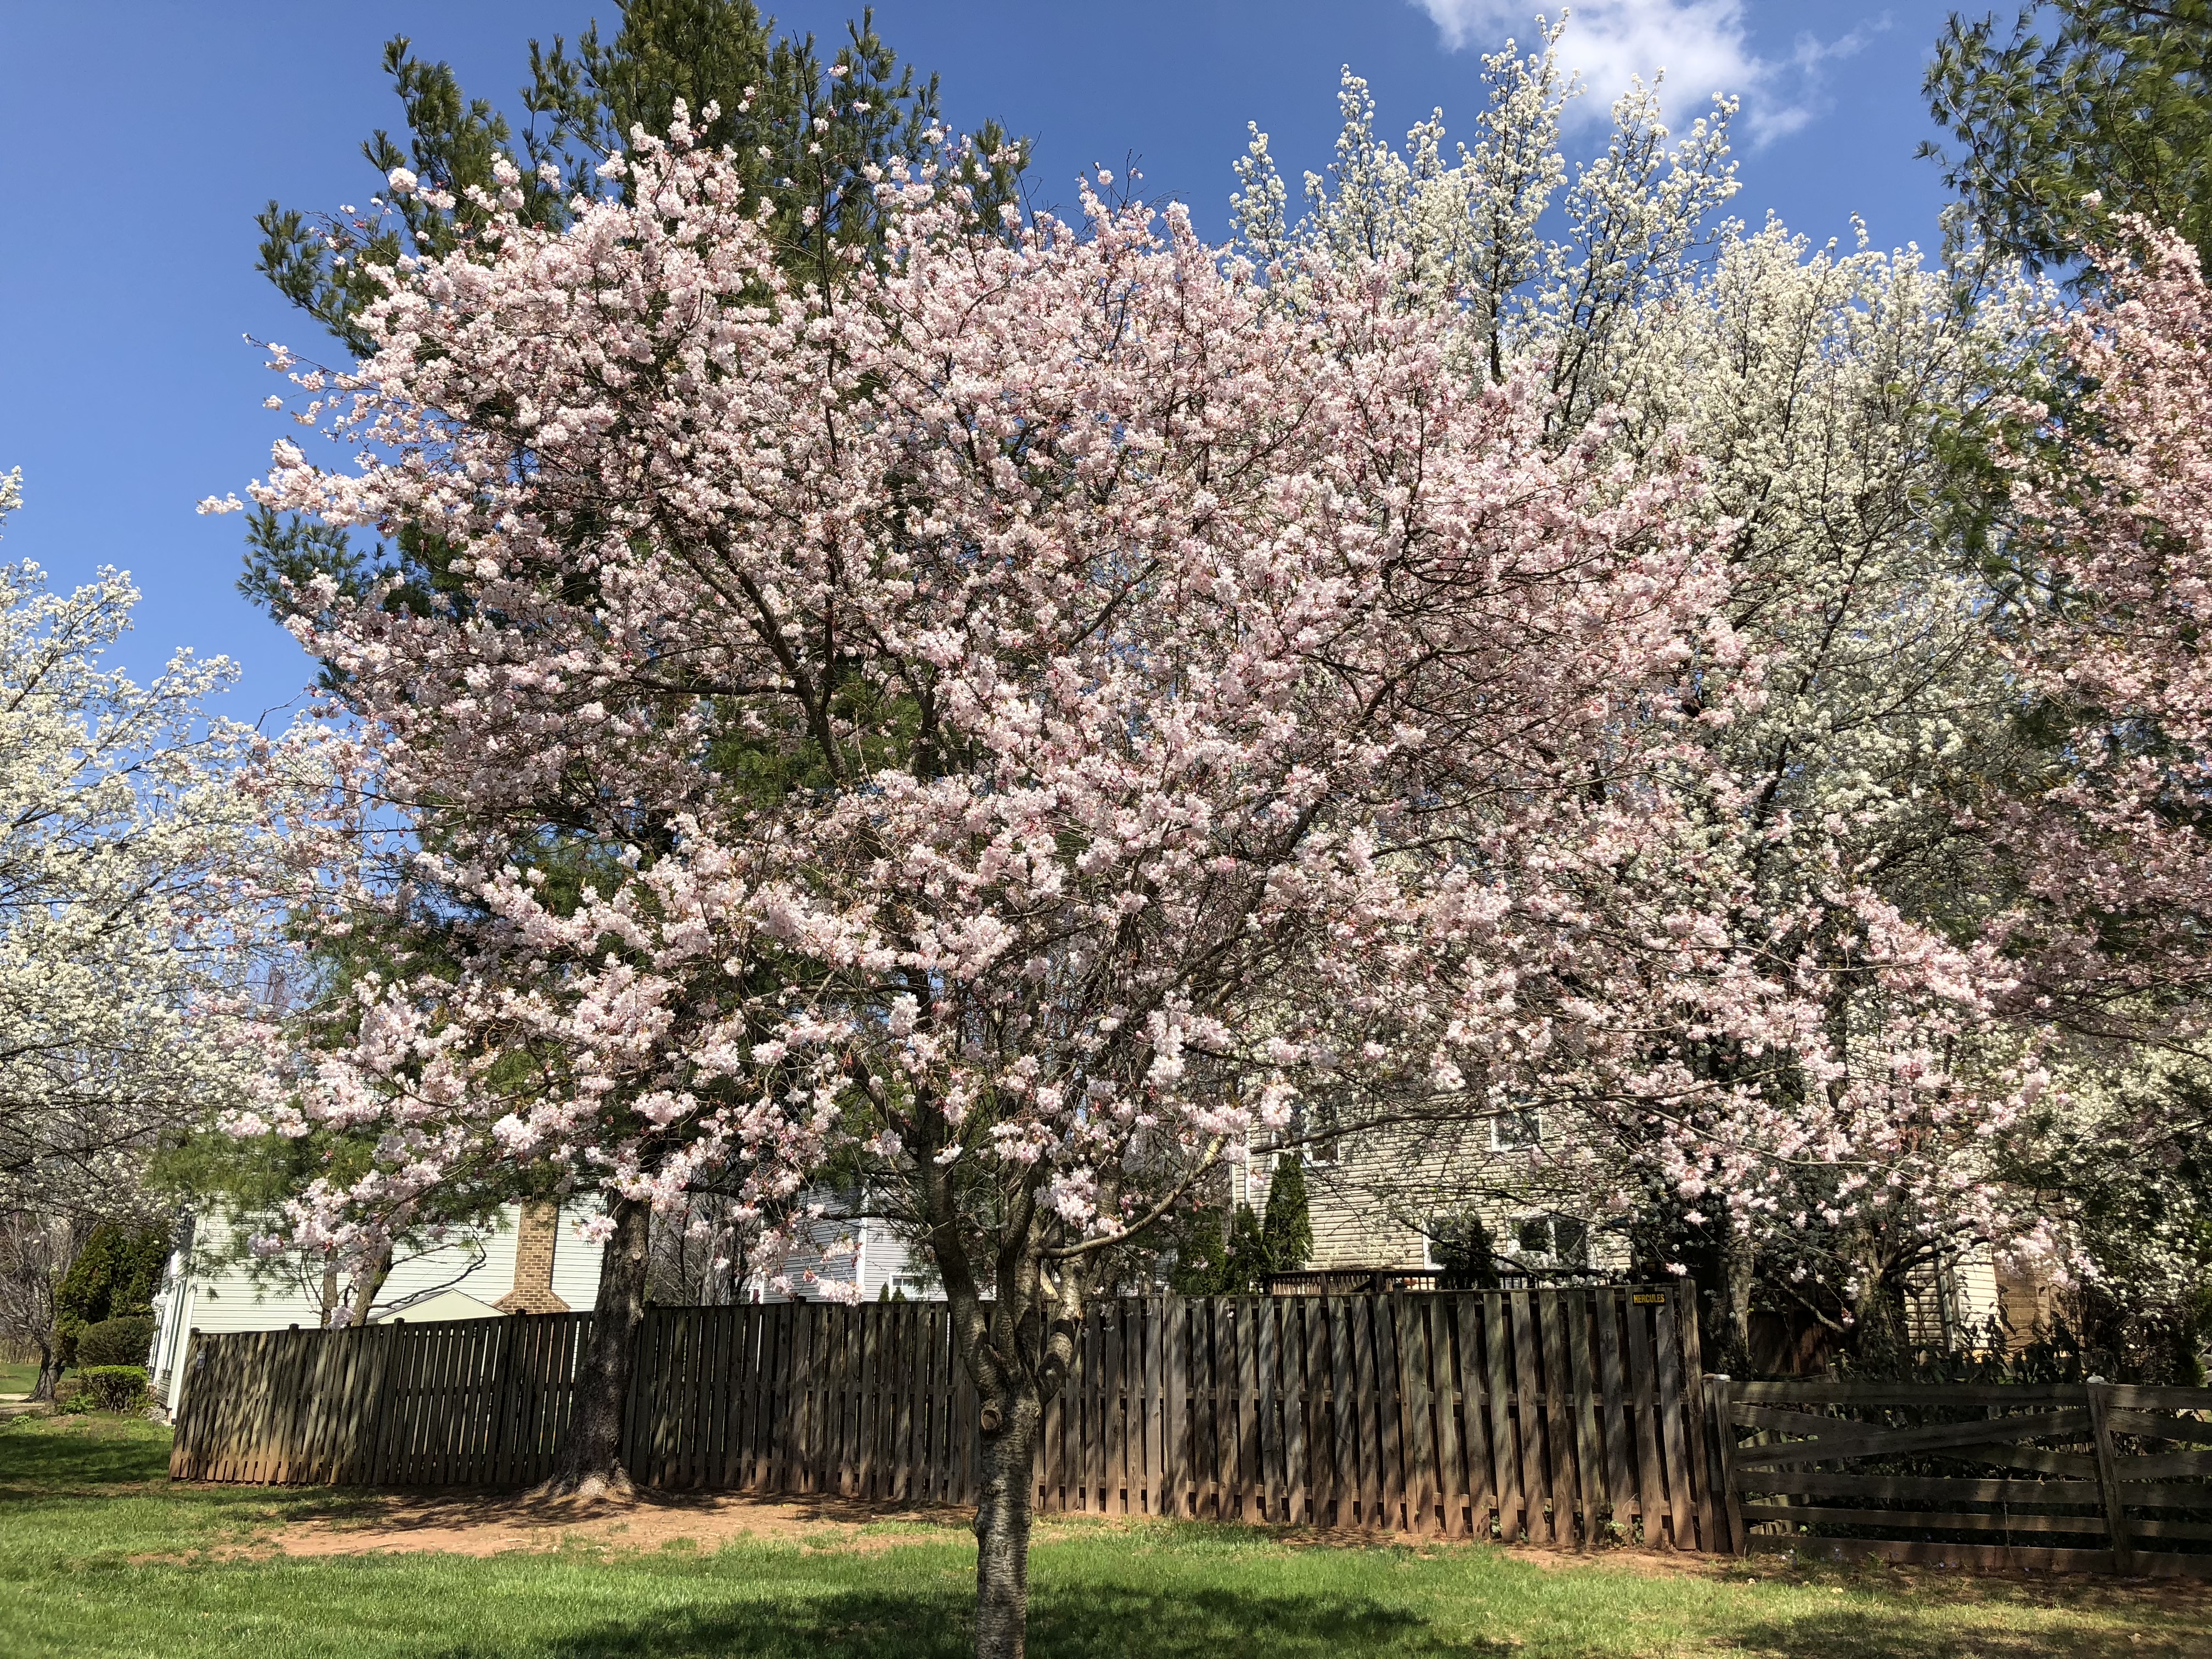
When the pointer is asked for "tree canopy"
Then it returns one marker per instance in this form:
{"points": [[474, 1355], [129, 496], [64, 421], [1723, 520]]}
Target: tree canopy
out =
{"points": [[803, 128]]}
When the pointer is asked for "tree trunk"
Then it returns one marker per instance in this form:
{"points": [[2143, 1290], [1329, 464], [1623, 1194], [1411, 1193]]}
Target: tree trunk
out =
{"points": [[591, 1464], [371, 1282], [50, 1374], [1879, 1342], [1009, 1425], [1738, 1269]]}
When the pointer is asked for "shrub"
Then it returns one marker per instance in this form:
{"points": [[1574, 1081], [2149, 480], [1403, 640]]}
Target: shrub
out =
{"points": [[1201, 1254], [1465, 1254], [111, 1389], [122, 1342], [114, 1275]]}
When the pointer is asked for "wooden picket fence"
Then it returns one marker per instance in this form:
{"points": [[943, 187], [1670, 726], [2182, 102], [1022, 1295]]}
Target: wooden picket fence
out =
{"points": [[1560, 1417], [2089, 1478], [466, 1402]]}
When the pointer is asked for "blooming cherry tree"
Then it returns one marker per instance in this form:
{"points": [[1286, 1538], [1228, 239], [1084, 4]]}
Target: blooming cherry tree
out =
{"points": [[1002, 708], [2116, 546], [2104, 627]]}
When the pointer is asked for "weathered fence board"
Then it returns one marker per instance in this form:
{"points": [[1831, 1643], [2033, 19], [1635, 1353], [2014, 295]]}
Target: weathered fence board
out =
{"points": [[1562, 1416], [2124, 1489]]}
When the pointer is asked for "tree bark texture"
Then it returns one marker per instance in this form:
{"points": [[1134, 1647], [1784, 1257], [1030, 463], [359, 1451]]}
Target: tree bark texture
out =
{"points": [[1009, 1425], [1016, 1342], [591, 1454], [1739, 1270], [1018, 1345], [370, 1286]]}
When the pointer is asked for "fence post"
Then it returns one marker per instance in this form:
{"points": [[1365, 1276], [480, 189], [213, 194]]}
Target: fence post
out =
{"points": [[382, 1410], [1712, 1515], [503, 1391], [1720, 1393], [2108, 1479], [184, 1455]]}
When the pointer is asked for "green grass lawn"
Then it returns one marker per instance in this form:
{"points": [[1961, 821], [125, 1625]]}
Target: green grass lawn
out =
{"points": [[99, 1556], [18, 1379]]}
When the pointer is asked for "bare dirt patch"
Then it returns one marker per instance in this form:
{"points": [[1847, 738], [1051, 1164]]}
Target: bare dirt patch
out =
{"points": [[493, 1525], [1651, 1564]]}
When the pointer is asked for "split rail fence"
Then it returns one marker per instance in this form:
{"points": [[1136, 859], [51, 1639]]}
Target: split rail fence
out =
{"points": [[1560, 1417], [2082, 1477]]}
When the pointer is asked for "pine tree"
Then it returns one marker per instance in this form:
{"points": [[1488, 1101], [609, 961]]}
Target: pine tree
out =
{"points": [[2115, 104], [1249, 1263], [1201, 1265], [1465, 1256], [1287, 1228], [805, 129]]}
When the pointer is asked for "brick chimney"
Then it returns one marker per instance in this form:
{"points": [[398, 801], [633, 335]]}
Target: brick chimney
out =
{"points": [[537, 1231]]}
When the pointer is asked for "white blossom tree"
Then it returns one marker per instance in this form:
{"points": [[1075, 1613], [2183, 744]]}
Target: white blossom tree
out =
{"points": [[1828, 767], [129, 922]]}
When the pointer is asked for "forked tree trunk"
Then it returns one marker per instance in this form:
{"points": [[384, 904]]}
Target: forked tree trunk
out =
{"points": [[591, 1463], [1009, 1425], [50, 1374]]}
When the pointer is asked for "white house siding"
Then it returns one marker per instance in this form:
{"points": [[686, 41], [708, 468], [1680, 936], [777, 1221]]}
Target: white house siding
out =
{"points": [[575, 1261], [881, 1262], [208, 1289], [1958, 1304]]}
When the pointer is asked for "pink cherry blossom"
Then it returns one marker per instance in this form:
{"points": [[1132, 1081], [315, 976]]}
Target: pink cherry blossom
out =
{"points": [[1000, 735]]}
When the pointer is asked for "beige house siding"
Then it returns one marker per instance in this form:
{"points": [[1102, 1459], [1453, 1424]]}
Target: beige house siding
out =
{"points": [[1958, 1306], [1370, 1205]]}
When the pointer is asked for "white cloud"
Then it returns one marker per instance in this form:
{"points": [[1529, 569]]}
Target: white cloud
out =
{"points": [[1704, 45]]}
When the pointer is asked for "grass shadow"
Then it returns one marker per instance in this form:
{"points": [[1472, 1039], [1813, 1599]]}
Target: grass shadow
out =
{"points": [[39, 1456], [1081, 1622], [1855, 1633]]}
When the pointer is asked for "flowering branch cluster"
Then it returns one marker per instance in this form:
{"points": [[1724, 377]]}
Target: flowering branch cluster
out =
{"points": [[992, 731], [1830, 1073], [2108, 636], [130, 917]]}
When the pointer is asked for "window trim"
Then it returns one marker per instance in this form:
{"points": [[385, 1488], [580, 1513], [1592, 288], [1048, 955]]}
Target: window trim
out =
{"points": [[1549, 1256], [1532, 1116]]}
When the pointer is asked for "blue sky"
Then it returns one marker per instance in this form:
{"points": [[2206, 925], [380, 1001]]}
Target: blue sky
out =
{"points": [[142, 137]]}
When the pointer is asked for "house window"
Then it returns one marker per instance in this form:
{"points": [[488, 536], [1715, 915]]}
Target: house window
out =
{"points": [[1321, 1121], [1516, 1127], [1569, 1242], [1553, 1241]]}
